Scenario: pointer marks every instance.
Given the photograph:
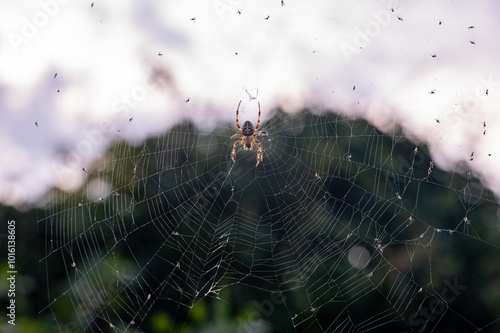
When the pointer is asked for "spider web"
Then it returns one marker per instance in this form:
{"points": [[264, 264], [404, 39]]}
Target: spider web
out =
{"points": [[341, 228]]}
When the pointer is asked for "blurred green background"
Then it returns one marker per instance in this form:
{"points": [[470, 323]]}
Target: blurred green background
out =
{"points": [[170, 236]]}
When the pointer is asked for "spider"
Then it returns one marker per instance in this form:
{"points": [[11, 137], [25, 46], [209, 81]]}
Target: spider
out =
{"points": [[248, 137]]}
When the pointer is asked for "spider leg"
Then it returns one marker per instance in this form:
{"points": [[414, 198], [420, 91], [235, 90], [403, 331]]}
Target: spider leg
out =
{"points": [[258, 147], [234, 148], [237, 116], [258, 121]]}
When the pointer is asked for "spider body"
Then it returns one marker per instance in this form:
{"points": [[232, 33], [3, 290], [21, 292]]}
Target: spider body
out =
{"points": [[247, 131], [248, 136]]}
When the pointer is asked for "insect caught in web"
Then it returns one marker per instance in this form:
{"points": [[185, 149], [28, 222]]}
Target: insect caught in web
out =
{"points": [[248, 137]]}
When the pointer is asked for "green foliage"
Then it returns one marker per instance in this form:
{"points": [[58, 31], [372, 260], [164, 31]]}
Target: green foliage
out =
{"points": [[187, 241]]}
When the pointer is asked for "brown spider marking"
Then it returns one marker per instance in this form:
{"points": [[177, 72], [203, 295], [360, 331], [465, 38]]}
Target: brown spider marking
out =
{"points": [[248, 136]]}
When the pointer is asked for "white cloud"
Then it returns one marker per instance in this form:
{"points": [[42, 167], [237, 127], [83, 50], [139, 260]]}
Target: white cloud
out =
{"points": [[105, 56]]}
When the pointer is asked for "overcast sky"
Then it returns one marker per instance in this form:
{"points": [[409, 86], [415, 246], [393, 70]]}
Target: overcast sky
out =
{"points": [[428, 67]]}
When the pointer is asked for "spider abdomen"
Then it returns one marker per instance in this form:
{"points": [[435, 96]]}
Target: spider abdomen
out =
{"points": [[247, 128]]}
